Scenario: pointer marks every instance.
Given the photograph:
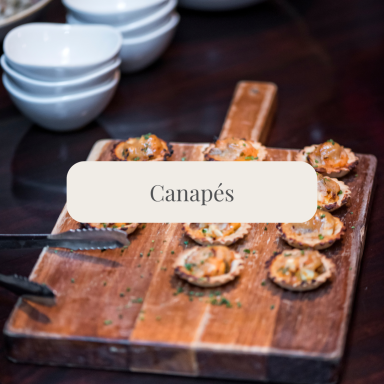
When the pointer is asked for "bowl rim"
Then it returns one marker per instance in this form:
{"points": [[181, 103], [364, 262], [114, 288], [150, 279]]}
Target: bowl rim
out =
{"points": [[129, 27], [59, 99], [25, 13], [69, 5], [64, 27], [172, 23], [51, 84]]}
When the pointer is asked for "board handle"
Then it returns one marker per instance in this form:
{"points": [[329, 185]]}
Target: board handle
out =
{"points": [[251, 112]]}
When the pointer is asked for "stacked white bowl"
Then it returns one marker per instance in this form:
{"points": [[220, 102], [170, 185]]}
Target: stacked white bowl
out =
{"points": [[147, 26], [61, 76]]}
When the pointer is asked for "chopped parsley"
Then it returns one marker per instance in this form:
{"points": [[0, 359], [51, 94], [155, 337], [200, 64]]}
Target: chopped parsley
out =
{"points": [[138, 300], [246, 251], [340, 192], [107, 322], [331, 141], [188, 266], [321, 237], [178, 291]]}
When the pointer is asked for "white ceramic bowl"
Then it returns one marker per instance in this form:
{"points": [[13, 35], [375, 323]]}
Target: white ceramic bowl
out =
{"points": [[25, 16], [63, 113], [53, 52], [140, 52], [59, 88], [140, 27], [112, 12], [216, 5]]}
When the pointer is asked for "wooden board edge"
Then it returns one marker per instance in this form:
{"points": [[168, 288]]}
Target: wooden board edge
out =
{"points": [[350, 304], [116, 355]]}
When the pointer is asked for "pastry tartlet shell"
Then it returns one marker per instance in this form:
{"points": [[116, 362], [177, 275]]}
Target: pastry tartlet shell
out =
{"points": [[326, 242], [225, 240], [208, 282], [342, 199], [130, 228], [353, 160], [328, 264], [262, 151], [166, 153]]}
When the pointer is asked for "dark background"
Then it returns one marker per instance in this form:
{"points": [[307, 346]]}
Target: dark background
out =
{"points": [[327, 58]]}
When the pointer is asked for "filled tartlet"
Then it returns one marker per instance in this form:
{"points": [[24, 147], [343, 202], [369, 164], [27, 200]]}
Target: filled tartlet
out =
{"points": [[299, 270], [233, 149], [209, 266], [329, 158], [320, 232], [145, 148], [216, 233], [331, 193], [126, 227]]}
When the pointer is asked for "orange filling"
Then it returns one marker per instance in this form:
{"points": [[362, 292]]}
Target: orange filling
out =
{"points": [[321, 225], [215, 230], [327, 190], [329, 154], [144, 148], [233, 149], [295, 267], [209, 262]]}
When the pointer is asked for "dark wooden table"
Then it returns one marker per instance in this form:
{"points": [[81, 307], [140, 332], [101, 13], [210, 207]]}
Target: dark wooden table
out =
{"points": [[327, 58]]}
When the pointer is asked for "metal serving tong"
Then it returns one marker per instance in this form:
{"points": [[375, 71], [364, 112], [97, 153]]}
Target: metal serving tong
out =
{"points": [[39, 293], [79, 239]]}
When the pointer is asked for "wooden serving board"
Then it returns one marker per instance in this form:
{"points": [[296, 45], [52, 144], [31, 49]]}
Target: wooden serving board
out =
{"points": [[123, 309]]}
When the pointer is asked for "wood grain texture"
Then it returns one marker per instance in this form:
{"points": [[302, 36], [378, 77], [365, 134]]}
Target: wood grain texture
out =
{"points": [[275, 335], [251, 113], [327, 59]]}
